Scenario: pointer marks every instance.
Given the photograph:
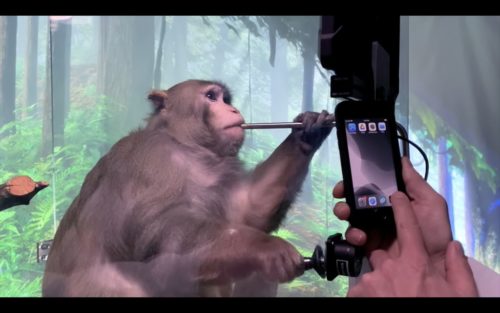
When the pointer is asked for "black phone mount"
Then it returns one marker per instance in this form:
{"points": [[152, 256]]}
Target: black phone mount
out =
{"points": [[364, 53], [340, 258]]}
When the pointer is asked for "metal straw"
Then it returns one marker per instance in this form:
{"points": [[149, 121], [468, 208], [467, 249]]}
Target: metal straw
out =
{"points": [[277, 125]]}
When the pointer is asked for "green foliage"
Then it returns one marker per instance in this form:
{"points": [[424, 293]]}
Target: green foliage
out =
{"points": [[298, 30], [311, 285], [486, 252], [258, 146], [460, 150], [428, 119], [21, 227], [428, 127], [482, 169]]}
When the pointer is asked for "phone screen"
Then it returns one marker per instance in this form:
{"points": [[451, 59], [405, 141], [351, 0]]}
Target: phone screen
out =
{"points": [[371, 162]]}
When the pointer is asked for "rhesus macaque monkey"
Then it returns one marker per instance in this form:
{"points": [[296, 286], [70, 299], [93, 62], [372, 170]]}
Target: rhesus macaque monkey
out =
{"points": [[170, 211]]}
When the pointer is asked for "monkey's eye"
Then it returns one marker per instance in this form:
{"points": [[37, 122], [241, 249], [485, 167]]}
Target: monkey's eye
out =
{"points": [[211, 95]]}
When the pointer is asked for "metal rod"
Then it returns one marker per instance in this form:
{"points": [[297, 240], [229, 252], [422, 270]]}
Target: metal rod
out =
{"points": [[277, 125]]}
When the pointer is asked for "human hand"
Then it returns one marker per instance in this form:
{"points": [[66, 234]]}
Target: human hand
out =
{"points": [[411, 272], [316, 129], [429, 207]]}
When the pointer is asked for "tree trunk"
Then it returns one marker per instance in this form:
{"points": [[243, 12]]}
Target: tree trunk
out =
{"points": [[125, 73], [218, 65], [61, 52], [159, 55], [8, 33], [31, 62], [47, 114], [309, 55], [308, 79], [445, 179], [279, 83], [168, 57], [179, 30], [279, 86], [404, 70], [470, 194]]}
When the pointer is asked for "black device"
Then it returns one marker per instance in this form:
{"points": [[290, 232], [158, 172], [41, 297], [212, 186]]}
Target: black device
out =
{"points": [[370, 160], [340, 258], [364, 53], [42, 250], [363, 50]]}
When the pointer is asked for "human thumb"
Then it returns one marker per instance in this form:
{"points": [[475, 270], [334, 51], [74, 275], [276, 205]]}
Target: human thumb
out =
{"points": [[458, 272]]}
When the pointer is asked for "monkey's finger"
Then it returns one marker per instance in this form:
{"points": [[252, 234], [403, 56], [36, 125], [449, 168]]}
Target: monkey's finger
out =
{"points": [[338, 190], [309, 120], [297, 261], [287, 263], [293, 262], [320, 121], [278, 270], [284, 268], [355, 236], [341, 210], [330, 118], [300, 267], [273, 271], [299, 118], [288, 266]]}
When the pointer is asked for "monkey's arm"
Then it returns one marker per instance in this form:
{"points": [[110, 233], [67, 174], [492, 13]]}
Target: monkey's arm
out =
{"points": [[215, 253], [275, 183]]}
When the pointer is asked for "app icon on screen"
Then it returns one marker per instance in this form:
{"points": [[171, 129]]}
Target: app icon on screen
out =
{"points": [[381, 126], [382, 200], [362, 201], [351, 127], [372, 127], [372, 201], [362, 127]]}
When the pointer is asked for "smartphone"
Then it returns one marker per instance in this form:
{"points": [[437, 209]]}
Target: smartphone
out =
{"points": [[370, 160]]}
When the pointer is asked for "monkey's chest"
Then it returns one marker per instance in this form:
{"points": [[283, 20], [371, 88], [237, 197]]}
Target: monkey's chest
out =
{"points": [[209, 189], [210, 199]]}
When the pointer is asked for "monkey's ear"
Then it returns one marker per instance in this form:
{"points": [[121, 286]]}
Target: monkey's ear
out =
{"points": [[159, 99]]}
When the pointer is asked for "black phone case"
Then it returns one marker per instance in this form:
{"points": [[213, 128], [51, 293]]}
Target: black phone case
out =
{"points": [[375, 217]]}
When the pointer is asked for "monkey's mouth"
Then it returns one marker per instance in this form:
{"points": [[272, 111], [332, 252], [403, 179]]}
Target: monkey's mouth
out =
{"points": [[238, 124]]}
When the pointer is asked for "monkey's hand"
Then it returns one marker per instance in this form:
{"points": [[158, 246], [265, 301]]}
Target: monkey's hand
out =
{"points": [[316, 129], [241, 251], [278, 260]]}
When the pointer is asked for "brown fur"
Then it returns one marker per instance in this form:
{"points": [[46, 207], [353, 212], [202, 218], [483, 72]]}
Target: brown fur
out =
{"points": [[170, 211]]}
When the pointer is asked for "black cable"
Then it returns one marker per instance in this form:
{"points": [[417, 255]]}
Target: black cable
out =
{"points": [[402, 131], [421, 152]]}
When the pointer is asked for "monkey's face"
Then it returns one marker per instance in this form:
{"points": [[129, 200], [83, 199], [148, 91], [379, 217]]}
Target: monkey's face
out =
{"points": [[224, 119]]}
